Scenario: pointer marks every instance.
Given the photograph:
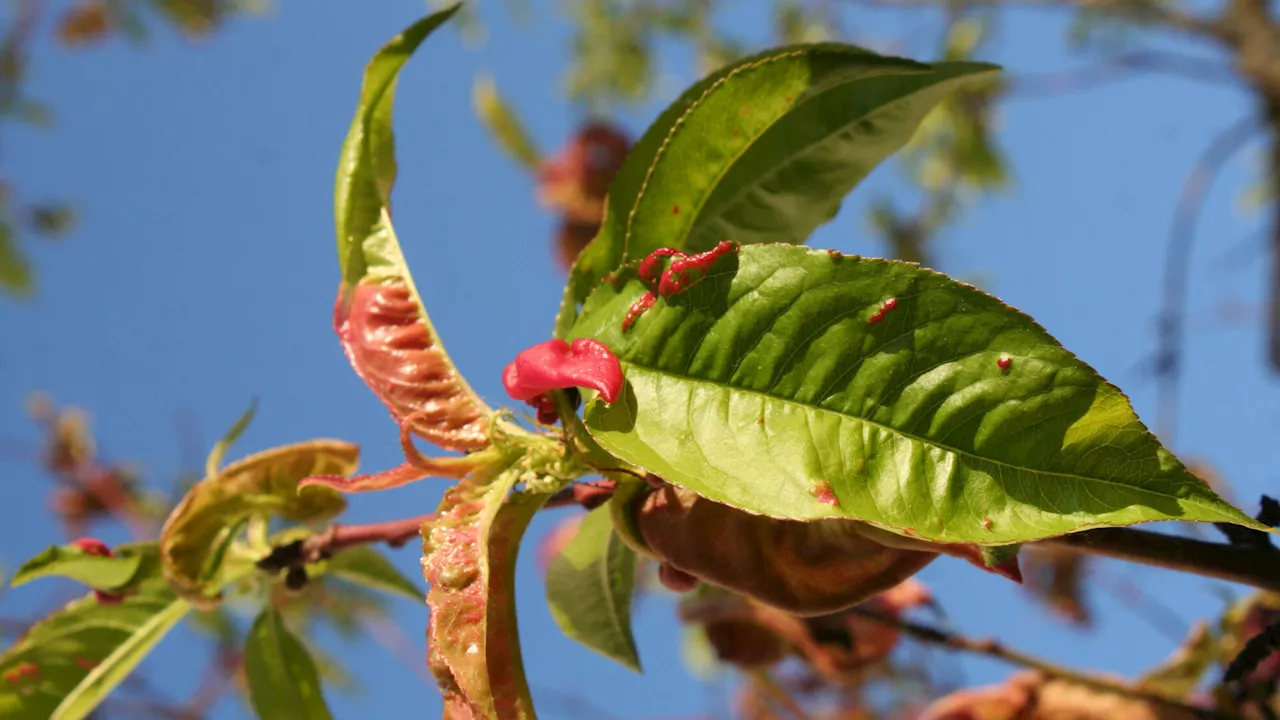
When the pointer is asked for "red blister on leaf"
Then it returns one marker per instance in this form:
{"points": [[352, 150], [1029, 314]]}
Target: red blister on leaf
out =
{"points": [[557, 365]]}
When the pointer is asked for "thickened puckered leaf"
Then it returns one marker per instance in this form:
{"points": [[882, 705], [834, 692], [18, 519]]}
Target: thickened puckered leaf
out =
{"points": [[265, 484], [64, 666], [95, 570], [474, 646], [370, 568], [589, 586], [379, 316], [283, 681], [763, 151], [802, 384]]}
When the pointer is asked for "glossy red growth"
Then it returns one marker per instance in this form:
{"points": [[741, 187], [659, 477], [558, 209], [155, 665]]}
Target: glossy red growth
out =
{"points": [[637, 309], [688, 270], [884, 308], [822, 493], [556, 365], [1004, 364], [93, 546], [651, 267], [394, 352], [986, 524]]}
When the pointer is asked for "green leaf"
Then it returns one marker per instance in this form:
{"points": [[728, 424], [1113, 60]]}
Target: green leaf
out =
{"points": [[64, 666], [96, 571], [283, 681], [15, 271], [470, 563], [371, 569], [765, 151], [220, 448], [589, 586], [954, 418], [503, 124], [368, 250], [1180, 675], [214, 509]]}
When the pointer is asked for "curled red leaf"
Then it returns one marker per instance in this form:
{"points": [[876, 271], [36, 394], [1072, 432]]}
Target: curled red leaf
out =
{"points": [[557, 365], [393, 350]]}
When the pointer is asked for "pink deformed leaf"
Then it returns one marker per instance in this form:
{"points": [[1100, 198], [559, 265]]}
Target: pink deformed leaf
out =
{"points": [[557, 365], [470, 560], [395, 352]]}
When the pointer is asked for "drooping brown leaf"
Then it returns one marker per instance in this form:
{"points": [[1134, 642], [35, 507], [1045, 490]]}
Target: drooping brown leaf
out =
{"points": [[470, 555], [266, 484], [804, 568]]}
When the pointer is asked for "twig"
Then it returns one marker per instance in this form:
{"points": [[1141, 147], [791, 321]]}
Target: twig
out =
{"points": [[394, 533], [1256, 566], [995, 649], [1177, 260]]}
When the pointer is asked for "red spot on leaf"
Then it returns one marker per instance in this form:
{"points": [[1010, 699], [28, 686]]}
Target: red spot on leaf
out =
{"points": [[108, 598], [787, 99], [85, 662], [675, 209], [822, 493], [834, 254], [556, 365], [93, 546], [1004, 364], [884, 309], [637, 309], [986, 524]]}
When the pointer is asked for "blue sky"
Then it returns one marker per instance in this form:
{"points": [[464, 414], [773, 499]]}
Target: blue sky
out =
{"points": [[203, 273]]}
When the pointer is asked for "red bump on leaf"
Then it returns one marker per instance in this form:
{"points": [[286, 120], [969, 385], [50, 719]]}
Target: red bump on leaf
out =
{"points": [[687, 271], [107, 598], [1004, 363], [85, 662], [651, 267], [557, 365], [637, 309], [884, 309], [822, 493], [93, 546]]}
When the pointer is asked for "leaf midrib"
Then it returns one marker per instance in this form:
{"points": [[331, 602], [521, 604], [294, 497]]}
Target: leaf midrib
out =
{"points": [[608, 589], [915, 438]]}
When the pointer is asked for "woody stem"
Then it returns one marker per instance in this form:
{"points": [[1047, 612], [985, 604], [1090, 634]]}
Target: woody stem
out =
{"points": [[1258, 566]]}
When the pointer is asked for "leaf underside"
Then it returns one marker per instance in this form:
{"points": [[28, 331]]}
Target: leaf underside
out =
{"points": [[265, 484], [772, 387], [589, 588], [762, 151]]}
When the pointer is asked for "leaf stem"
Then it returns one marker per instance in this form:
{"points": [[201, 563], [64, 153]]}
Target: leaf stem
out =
{"points": [[1255, 566], [995, 649]]}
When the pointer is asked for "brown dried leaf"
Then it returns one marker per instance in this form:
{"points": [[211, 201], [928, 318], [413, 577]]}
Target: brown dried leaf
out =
{"points": [[804, 568], [470, 556], [264, 484]]}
